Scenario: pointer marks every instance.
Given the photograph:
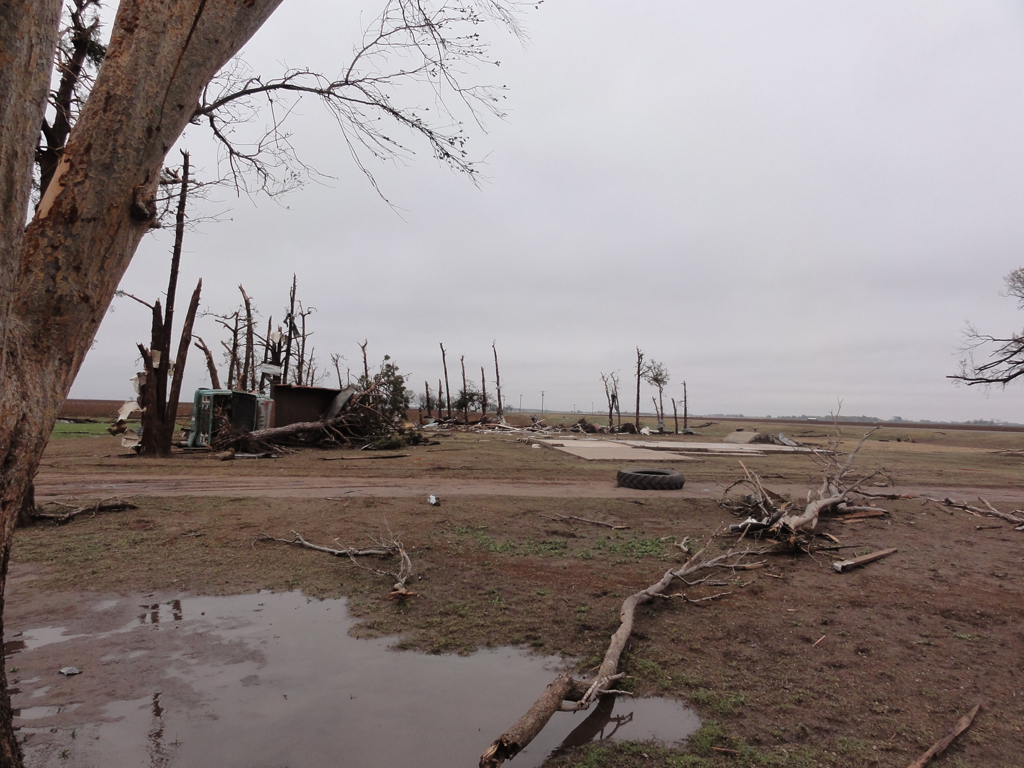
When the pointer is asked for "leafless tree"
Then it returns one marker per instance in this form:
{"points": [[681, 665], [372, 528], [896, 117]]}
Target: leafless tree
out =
{"points": [[611, 393], [447, 386], [497, 384], [641, 373], [657, 375], [1005, 356], [160, 402]]}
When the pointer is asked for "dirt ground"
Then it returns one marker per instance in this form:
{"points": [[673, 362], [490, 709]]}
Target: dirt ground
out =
{"points": [[797, 666]]}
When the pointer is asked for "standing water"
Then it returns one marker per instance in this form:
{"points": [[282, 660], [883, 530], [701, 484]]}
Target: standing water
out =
{"points": [[275, 680]]}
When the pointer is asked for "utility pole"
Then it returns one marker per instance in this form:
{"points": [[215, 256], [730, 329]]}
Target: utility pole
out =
{"points": [[520, 403], [542, 403]]}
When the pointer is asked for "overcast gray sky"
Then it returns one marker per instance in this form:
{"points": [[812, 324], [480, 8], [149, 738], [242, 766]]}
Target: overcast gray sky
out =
{"points": [[785, 202]]}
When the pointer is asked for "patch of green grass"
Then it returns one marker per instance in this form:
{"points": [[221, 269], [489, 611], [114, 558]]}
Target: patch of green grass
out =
{"points": [[79, 430], [710, 734], [634, 547], [543, 547], [719, 703], [651, 671], [593, 757]]}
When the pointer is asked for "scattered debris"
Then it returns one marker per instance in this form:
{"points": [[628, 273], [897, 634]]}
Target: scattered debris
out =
{"points": [[770, 514], [70, 671], [842, 566], [434, 501], [1016, 517]]}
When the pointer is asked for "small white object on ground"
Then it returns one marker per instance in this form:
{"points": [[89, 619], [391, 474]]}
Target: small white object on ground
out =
{"points": [[434, 500]]}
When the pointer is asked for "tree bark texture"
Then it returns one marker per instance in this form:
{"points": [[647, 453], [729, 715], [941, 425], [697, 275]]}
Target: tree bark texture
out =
{"points": [[512, 741], [28, 39], [58, 282]]}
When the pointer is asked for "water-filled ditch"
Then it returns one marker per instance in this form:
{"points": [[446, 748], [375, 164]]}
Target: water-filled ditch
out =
{"points": [[273, 680]]}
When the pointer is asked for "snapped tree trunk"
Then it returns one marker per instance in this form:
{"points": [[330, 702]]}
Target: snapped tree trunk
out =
{"points": [[483, 394], [58, 280], [639, 376], [497, 381], [447, 386]]}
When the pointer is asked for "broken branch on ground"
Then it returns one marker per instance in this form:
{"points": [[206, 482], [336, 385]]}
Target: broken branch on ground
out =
{"points": [[566, 689]]}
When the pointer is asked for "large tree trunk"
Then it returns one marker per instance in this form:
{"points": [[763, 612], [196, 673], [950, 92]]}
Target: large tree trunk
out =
{"points": [[28, 38], [56, 287]]}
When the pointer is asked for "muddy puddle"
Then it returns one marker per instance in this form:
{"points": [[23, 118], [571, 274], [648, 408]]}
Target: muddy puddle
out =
{"points": [[275, 680]]}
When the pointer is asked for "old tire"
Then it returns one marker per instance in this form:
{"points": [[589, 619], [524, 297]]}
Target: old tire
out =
{"points": [[650, 479]]}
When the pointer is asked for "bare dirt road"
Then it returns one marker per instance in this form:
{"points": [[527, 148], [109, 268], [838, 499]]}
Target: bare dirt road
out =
{"points": [[55, 486]]}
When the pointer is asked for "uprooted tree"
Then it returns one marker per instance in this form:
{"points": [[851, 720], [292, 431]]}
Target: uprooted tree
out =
{"points": [[58, 274]]}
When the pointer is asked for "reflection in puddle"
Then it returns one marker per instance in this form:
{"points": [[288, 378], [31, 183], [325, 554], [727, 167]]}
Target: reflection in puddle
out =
{"points": [[31, 639], [37, 713], [153, 611], [289, 686]]}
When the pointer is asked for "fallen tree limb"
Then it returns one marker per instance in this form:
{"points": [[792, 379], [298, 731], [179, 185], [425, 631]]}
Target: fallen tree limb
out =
{"points": [[60, 518], [384, 548], [514, 740], [298, 541], [940, 746]]}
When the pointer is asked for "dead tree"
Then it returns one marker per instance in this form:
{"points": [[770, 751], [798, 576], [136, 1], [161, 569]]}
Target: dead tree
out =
{"points": [[641, 371], [336, 359], [447, 386], [366, 363], [426, 389], [686, 415], [657, 375], [289, 324], [232, 324], [483, 394], [210, 365], [440, 391], [248, 377], [675, 416], [465, 391], [611, 393], [158, 400], [497, 382]]}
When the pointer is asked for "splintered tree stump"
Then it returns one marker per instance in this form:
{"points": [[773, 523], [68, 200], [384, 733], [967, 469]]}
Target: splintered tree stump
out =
{"points": [[512, 741]]}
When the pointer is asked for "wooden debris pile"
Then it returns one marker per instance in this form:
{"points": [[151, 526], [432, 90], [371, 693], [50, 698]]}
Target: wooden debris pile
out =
{"points": [[770, 514]]}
